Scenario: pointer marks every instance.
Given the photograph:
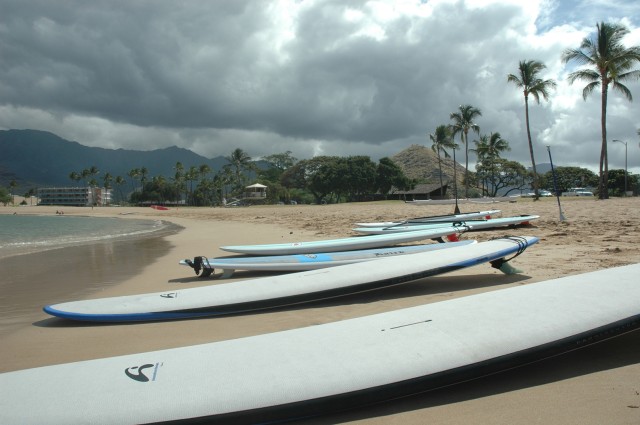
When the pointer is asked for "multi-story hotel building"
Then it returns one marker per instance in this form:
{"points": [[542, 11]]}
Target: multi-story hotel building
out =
{"points": [[75, 196]]}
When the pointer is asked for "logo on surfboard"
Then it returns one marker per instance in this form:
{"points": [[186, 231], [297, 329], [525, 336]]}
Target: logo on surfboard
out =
{"points": [[169, 295], [144, 373]]}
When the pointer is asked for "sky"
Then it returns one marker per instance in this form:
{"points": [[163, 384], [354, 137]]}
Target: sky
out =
{"points": [[313, 77]]}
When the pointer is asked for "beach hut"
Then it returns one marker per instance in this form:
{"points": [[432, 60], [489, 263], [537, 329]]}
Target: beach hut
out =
{"points": [[256, 191]]}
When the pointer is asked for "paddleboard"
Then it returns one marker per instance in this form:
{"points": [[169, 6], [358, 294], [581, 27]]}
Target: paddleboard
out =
{"points": [[311, 371], [300, 262], [436, 218], [471, 224], [344, 244], [463, 201], [289, 289]]}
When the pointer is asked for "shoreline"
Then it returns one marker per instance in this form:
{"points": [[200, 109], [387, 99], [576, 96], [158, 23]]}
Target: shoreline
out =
{"points": [[594, 385]]}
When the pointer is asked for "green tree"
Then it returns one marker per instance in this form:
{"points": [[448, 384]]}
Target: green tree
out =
{"points": [[313, 175], [488, 149], [278, 164], [12, 186], [529, 81], [389, 175], [441, 141], [191, 176], [134, 173], [568, 177], [106, 180], [240, 162], [608, 62], [120, 181], [616, 182], [5, 196], [501, 173], [179, 181], [463, 121], [75, 176]]}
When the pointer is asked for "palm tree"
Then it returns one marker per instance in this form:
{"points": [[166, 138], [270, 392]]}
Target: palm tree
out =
{"points": [[528, 80], [191, 175], [463, 121], [107, 179], [75, 176], [12, 186], [609, 62], [143, 177], [120, 181], [489, 148], [240, 161], [442, 140], [134, 173]]}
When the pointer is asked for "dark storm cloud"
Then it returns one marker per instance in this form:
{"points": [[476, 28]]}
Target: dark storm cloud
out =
{"points": [[313, 77]]}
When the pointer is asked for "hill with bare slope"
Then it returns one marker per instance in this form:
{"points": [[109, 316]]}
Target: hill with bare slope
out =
{"points": [[421, 163]]}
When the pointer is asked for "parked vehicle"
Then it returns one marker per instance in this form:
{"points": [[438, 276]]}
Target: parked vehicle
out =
{"points": [[577, 191]]}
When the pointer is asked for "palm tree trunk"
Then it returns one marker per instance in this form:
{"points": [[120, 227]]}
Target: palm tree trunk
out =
{"points": [[466, 165], [533, 161], [603, 188], [440, 170]]}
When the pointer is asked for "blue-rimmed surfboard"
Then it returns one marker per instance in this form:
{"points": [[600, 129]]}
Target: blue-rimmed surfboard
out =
{"points": [[289, 289], [476, 224], [344, 244], [311, 371], [301, 262]]}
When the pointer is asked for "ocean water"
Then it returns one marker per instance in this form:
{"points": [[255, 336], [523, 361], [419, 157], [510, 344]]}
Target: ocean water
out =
{"points": [[24, 234]]}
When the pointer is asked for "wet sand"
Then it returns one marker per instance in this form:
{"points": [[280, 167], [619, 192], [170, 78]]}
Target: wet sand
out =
{"points": [[599, 384]]}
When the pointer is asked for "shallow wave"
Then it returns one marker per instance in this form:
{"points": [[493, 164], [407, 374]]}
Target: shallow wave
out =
{"points": [[125, 229]]}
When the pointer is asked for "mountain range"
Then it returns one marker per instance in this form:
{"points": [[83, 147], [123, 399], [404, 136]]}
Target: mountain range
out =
{"points": [[34, 158]]}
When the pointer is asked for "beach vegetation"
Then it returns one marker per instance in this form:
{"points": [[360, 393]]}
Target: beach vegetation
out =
{"points": [[463, 122], [608, 63], [488, 167], [500, 173], [568, 177], [616, 182], [390, 176], [529, 81], [239, 163], [332, 179], [5, 196], [442, 140]]}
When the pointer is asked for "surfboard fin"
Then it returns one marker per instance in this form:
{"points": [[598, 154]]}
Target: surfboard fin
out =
{"points": [[504, 266], [198, 264]]}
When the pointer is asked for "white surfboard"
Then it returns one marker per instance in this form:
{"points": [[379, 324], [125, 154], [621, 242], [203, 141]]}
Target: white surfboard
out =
{"points": [[448, 218], [476, 224], [301, 262], [344, 244], [290, 289], [311, 371]]}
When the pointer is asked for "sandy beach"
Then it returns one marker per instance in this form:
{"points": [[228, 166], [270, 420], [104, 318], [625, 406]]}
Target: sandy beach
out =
{"points": [[596, 385]]}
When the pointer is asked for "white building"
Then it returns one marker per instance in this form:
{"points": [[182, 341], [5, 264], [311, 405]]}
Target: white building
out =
{"points": [[75, 196]]}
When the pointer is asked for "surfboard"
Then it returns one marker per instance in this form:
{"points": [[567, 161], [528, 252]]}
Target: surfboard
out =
{"points": [[289, 289], [433, 218], [344, 244], [311, 371], [471, 224], [300, 262]]}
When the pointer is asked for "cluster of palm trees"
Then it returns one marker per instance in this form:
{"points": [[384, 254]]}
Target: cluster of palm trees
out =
{"points": [[608, 64], [207, 190]]}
